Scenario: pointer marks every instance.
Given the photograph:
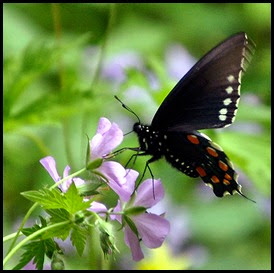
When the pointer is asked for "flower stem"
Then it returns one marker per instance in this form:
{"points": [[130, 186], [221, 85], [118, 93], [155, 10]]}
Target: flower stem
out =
{"points": [[30, 237], [10, 236], [22, 225]]}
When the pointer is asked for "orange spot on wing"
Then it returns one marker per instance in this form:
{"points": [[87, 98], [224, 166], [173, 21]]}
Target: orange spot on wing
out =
{"points": [[193, 139], [226, 182], [215, 179], [201, 171], [223, 166], [228, 177], [212, 151]]}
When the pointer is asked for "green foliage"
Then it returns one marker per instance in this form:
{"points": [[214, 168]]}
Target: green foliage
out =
{"points": [[36, 250], [78, 237], [54, 199], [61, 208]]}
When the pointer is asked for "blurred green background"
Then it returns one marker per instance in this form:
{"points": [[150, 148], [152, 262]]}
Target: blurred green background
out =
{"points": [[62, 65]]}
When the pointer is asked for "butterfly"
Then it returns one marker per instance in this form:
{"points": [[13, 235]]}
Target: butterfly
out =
{"points": [[206, 97]]}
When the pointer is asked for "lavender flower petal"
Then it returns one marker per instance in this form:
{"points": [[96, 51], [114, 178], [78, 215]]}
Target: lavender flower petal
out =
{"points": [[145, 196], [125, 190], [49, 164], [106, 139], [98, 208], [113, 171], [152, 228], [133, 242]]}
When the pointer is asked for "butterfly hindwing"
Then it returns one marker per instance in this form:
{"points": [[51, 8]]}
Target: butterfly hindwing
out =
{"points": [[196, 155], [208, 95]]}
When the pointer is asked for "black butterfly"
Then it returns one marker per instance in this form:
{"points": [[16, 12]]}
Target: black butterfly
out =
{"points": [[206, 97]]}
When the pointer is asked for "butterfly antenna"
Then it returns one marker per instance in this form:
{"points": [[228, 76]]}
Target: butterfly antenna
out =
{"points": [[128, 133], [127, 108]]}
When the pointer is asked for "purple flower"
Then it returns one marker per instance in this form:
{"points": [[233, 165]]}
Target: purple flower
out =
{"points": [[108, 136], [49, 164], [114, 69], [152, 228], [125, 189], [178, 60], [99, 208]]}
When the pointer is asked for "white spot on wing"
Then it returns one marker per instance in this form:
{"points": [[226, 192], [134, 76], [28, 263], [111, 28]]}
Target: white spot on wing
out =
{"points": [[231, 78], [229, 89], [226, 193], [227, 101], [222, 117], [209, 185], [223, 111]]}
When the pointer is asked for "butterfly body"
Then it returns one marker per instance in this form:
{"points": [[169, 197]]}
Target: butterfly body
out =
{"points": [[207, 97]]}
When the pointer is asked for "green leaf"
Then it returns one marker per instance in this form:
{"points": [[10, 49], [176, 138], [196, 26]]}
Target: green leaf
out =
{"points": [[90, 188], [35, 227], [92, 165], [58, 215], [73, 201], [134, 211], [49, 199], [58, 232], [54, 199], [131, 225], [36, 250], [78, 237]]}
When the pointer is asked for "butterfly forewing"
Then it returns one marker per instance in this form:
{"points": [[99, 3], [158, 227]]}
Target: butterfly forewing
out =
{"points": [[208, 95]]}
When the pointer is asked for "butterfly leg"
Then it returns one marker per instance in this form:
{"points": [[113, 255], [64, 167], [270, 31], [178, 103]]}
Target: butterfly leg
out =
{"points": [[110, 155], [135, 157], [154, 158]]}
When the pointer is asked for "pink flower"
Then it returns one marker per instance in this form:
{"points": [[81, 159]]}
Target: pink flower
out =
{"points": [[49, 164], [108, 136], [152, 229]]}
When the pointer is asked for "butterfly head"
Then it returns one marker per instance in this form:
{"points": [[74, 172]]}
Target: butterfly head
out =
{"points": [[138, 127]]}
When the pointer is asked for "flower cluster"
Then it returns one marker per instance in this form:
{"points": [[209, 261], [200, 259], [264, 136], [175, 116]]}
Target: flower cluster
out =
{"points": [[131, 210]]}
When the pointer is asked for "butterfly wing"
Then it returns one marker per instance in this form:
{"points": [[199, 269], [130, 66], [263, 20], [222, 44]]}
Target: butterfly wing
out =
{"points": [[196, 155], [208, 95]]}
